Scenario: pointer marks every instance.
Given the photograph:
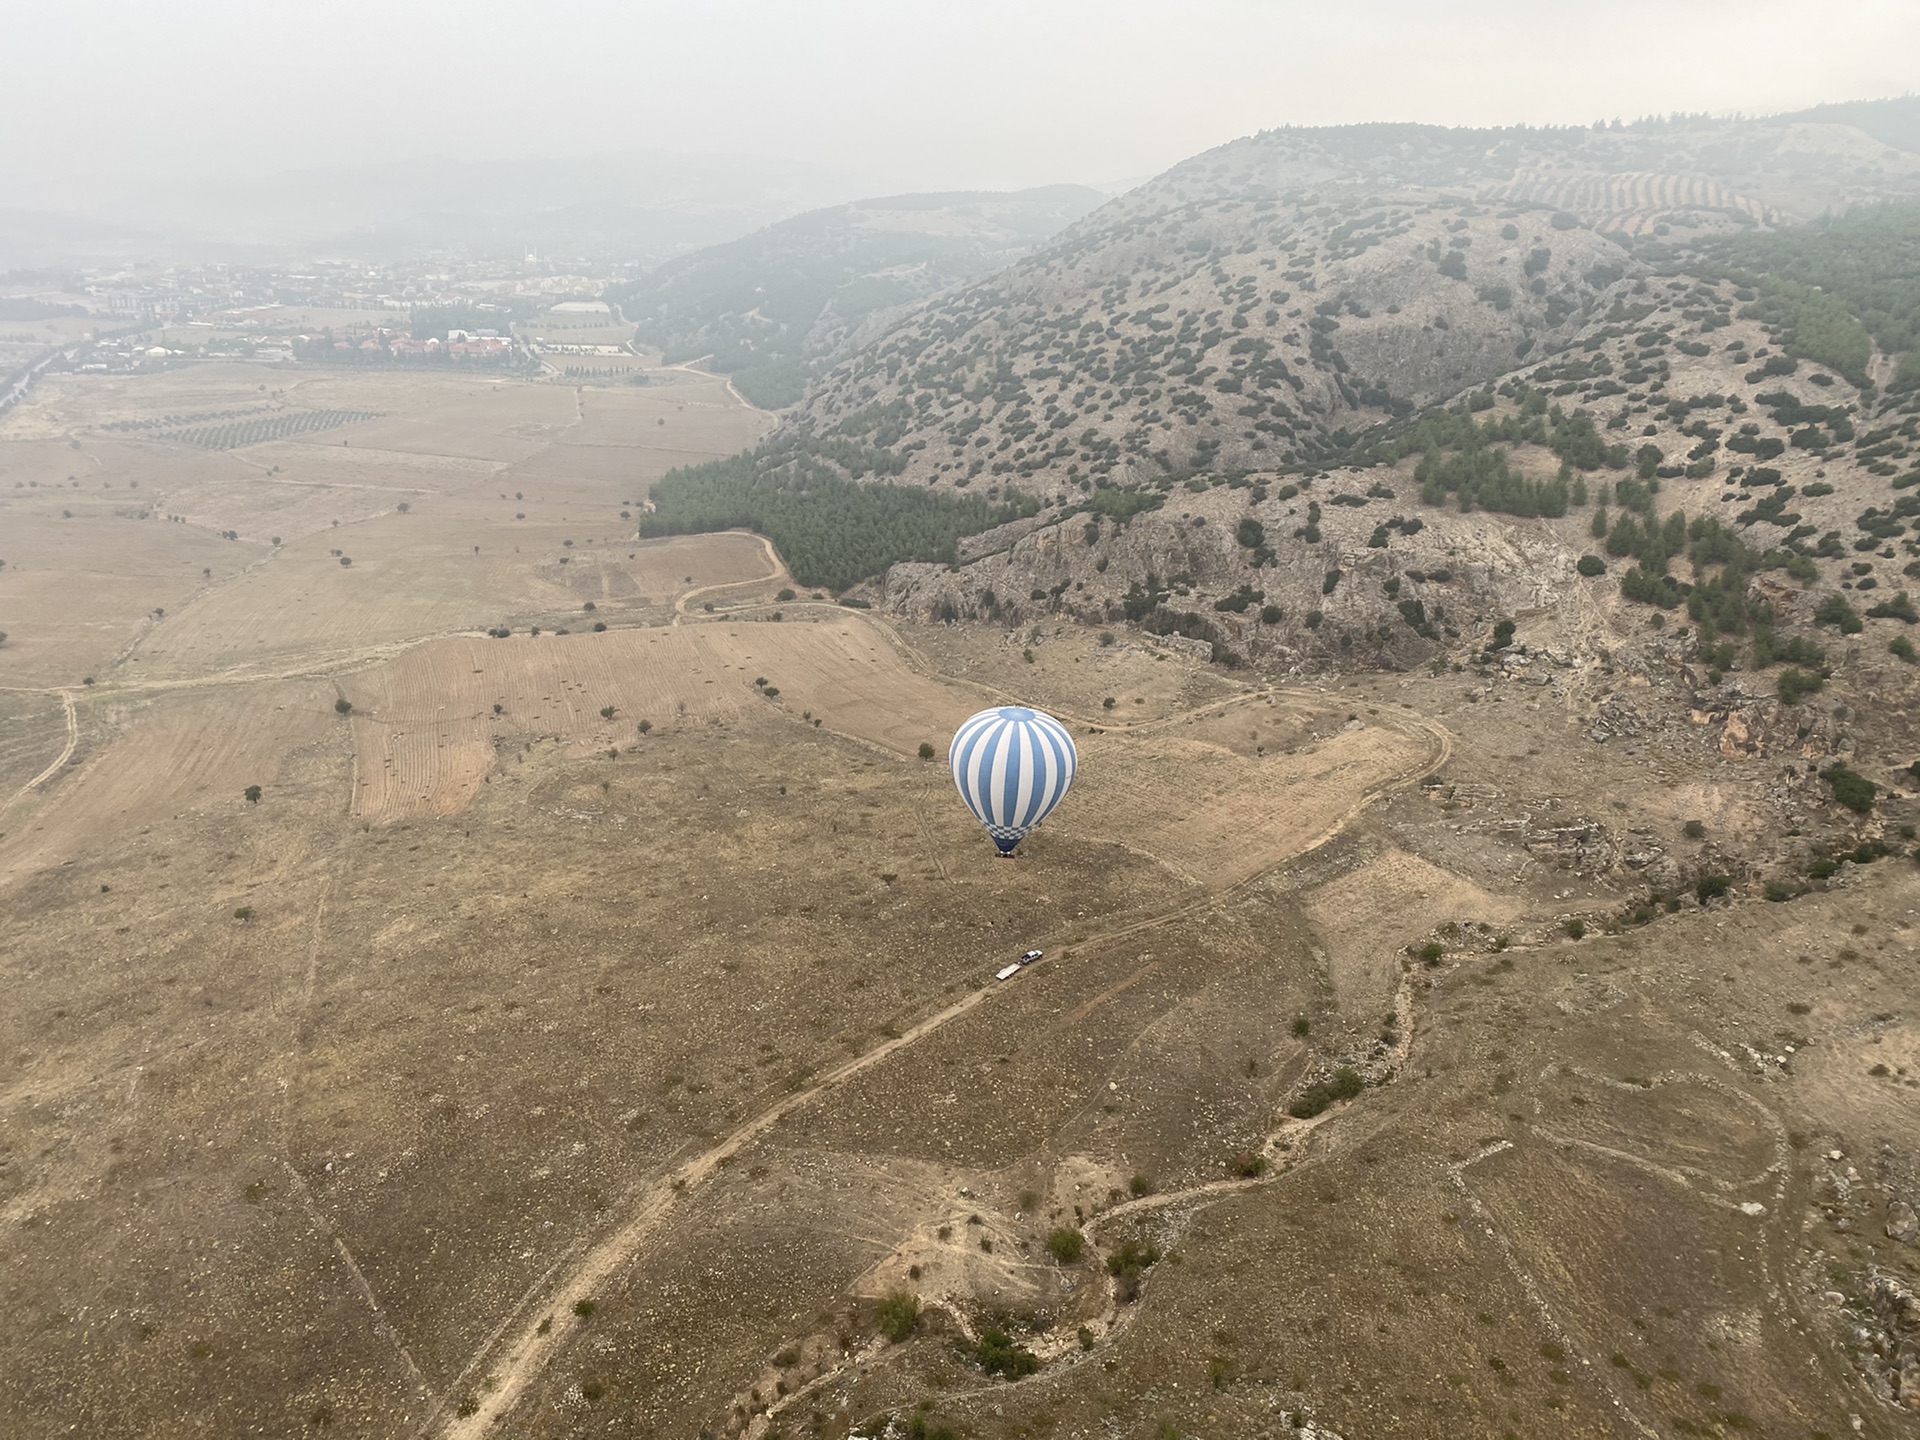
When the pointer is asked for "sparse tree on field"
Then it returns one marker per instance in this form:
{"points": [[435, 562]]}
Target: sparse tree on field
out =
{"points": [[606, 712], [252, 793], [646, 726], [343, 706], [926, 750]]}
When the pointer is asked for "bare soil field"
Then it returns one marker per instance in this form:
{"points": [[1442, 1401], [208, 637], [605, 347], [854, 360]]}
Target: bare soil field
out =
{"points": [[504, 1069]]}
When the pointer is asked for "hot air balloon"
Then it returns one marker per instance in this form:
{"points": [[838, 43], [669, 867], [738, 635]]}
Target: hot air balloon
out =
{"points": [[1013, 766]]}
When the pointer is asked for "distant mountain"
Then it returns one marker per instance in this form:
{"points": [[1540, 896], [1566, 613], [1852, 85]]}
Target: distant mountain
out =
{"points": [[633, 206], [774, 306], [33, 238]]}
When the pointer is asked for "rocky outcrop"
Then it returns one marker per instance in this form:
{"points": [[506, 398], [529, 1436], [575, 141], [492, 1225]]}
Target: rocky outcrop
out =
{"points": [[1886, 1341]]}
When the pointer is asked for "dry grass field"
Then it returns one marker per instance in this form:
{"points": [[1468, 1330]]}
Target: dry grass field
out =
{"points": [[505, 1069]]}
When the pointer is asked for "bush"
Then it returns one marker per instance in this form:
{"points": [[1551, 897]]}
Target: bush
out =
{"points": [[343, 706], [1343, 1084], [1246, 1164], [1302, 1027], [1835, 610], [1694, 829], [1591, 565], [1796, 685], [1066, 1244], [1576, 929], [998, 1355], [1711, 887], [584, 1309], [898, 1316], [1129, 1263], [1140, 1185], [926, 750], [1898, 608], [1850, 788], [1430, 953], [1902, 648]]}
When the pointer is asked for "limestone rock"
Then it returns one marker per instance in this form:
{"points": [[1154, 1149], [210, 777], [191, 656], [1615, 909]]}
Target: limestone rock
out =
{"points": [[1902, 1224]]}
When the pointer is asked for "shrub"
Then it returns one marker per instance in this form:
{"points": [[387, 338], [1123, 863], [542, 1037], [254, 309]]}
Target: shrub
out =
{"points": [[1796, 685], [1271, 615], [1246, 1164], [1591, 565], [1430, 953], [1302, 1027], [1694, 829], [1898, 608], [1343, 1084], [584, 1309], [786, 595], [1835, 610], [1576, 929], [1140, 1185], [1850, 788], [1711, 887], [645, 727], [998, 1355], [1129, 1262], [898, 1316], [1902, 648], [1066, 1244], [243, 914], [343, 706], [926, 750]]}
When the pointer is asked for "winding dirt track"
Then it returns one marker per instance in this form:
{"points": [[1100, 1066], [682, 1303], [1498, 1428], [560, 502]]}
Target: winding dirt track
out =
{"points": [[510, 1366], [779, 572], [73, 740]]}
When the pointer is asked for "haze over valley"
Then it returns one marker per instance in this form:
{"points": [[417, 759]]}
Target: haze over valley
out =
{"points": [[527, 645]]}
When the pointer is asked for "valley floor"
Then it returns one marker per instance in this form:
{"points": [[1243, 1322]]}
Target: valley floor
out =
{"points": [[1353, 1096]]}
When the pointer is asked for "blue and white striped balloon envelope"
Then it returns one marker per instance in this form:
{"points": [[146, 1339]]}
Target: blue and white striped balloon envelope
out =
{"points": [[1013, 766]]}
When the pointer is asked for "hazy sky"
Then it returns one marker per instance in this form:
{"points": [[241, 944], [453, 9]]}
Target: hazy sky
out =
{"points": [[915, 93]]}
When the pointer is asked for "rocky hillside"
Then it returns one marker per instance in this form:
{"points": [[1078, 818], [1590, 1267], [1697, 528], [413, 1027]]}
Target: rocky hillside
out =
{"points": [[1266, 301], [776, 306], [1403, 407]]}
